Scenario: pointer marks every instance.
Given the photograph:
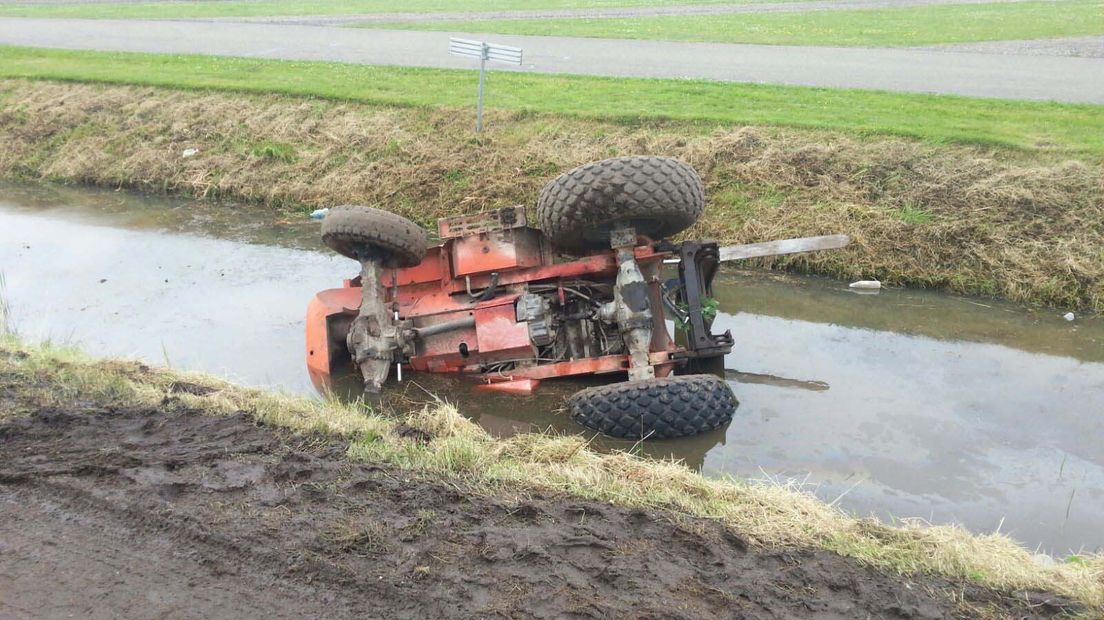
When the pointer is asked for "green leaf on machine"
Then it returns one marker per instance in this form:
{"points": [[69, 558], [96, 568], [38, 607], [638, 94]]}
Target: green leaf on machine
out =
{"points": [[709, 312]]}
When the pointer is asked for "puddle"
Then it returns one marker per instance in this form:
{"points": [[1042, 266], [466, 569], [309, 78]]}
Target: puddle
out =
{"points": [[904, 403]]}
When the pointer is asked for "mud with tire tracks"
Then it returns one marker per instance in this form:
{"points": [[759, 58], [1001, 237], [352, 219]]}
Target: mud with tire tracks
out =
{"points": [[140, 514]]}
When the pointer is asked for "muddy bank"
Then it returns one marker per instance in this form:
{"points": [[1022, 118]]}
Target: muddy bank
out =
{"points": [[303, 494], [1026, 226], [108, 512]]}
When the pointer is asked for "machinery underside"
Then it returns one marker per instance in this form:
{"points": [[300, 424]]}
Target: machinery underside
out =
{"points": [[490, 300]]}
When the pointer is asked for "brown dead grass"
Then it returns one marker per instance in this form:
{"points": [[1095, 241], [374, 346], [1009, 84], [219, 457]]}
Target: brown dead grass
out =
{"points": [[993, 222]]}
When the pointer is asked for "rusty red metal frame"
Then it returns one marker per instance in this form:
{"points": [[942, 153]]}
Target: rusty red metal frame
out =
{"points": [[490, 253]]}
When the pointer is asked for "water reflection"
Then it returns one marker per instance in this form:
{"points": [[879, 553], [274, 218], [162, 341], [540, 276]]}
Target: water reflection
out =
{"points": [[905, 403]]}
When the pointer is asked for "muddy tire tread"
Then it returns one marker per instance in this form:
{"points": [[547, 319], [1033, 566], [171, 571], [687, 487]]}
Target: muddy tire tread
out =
{"points": [[661, 189], [665, 408], [349, 227]]}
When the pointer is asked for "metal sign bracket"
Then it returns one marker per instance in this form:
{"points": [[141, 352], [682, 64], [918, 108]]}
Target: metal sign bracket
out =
{"points": [[484, 51]]}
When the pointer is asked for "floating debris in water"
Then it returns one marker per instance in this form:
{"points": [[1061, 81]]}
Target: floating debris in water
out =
{"points": [[867, 285], [1043, 559], [1069, 316]]}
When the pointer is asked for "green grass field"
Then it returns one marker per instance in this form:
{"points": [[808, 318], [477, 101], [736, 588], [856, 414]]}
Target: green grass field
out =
{"points": [[1013, 216], [867, 27], [244, 8], [1019, 124], [1026, 125]]}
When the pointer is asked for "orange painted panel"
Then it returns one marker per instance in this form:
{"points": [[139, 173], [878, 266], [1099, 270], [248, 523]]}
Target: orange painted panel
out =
{"points": [[500, 336], [324, 305], [498, 251], [520, 386]]}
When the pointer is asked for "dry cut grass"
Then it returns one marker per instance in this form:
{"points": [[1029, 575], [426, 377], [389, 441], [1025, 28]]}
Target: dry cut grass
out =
{"points": [[1028, 227], [454, 447]]}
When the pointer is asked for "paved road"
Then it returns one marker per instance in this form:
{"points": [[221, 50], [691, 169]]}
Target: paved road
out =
{"points": [[1084, 47], [962, 73], [605, 13]]}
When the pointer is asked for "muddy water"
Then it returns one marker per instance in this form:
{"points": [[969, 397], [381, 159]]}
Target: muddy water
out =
{"points": [[899, 404]]}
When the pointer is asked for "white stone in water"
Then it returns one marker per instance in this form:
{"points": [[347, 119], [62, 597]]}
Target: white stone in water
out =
{"points": [[870, 285]]}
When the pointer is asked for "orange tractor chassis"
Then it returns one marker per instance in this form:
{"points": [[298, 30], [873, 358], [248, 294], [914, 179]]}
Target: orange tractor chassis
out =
{"points": [[491, 299], [475, 336]]}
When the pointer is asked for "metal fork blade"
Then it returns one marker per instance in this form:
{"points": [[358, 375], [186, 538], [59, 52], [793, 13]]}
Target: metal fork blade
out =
{"points": [[779, 248]]}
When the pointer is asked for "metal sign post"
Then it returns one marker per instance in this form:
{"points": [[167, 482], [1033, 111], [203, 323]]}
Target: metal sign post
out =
{"points": [[479, 101], [484, 52]]}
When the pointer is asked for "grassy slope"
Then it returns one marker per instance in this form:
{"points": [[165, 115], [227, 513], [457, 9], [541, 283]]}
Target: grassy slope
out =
{"points": [[242, 8], [1030, 125], [767, 514], [1025, 226], [869, 27]]}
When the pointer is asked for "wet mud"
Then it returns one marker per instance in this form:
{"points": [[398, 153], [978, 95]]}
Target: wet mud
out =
{"points": [[110, 513]]}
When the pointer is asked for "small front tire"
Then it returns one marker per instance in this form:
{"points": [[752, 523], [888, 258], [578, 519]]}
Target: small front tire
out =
{"points": [[365, 233]]}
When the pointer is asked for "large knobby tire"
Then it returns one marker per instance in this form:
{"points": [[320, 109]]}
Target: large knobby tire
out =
{"points": [[363, 232], [659, 196], [656, 408]]}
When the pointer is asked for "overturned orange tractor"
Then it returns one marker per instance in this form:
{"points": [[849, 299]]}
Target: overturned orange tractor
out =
{"points": [[492, 299]]}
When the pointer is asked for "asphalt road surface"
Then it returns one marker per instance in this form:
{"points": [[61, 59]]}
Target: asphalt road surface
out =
{"points": [[805, 6], [909, 70], [1084, 47]]}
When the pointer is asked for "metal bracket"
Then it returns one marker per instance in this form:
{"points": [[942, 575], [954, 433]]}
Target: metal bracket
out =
{"points": [[622, 237], [698, 263], [485, 222]]}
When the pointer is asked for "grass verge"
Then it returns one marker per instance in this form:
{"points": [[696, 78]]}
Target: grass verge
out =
{"points": [[892, 27], [1000, 222], [769, 515], [1077, 128], [261, 8]]}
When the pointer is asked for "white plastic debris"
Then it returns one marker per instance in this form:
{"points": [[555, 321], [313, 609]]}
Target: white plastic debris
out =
{"points": [[318, 214], [1043, 559], [867, 285], [189, 153], [1069, 316]]}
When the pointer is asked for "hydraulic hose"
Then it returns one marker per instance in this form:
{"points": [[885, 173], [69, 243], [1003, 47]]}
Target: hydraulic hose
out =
{"points": [[445, 326]]}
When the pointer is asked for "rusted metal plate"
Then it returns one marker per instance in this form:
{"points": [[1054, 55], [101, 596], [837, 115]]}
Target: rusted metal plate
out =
{"points": [[499, 336], [518, 386], [432, 269], [590, 365], [595, 365], [498, 251], [485, 222]]}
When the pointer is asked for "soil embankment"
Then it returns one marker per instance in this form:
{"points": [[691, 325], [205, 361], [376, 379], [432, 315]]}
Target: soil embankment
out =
{"points": [[109, 512], [1025, 226], [132, 491]]}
